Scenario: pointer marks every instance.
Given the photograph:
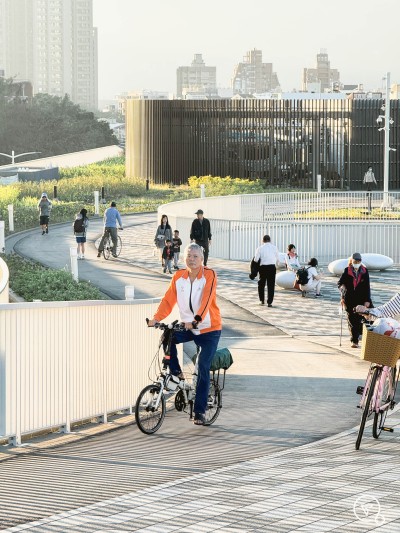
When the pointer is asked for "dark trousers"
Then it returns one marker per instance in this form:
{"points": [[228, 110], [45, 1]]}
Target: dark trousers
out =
{"points": [[267, 275], [204, 245], [354, 321], [208, 343]]}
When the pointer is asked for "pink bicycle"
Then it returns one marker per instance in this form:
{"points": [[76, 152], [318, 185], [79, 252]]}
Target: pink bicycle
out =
{"points": [[378, 393]]}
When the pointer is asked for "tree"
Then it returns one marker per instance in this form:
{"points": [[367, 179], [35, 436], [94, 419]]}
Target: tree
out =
{"points": [[47, 124]]}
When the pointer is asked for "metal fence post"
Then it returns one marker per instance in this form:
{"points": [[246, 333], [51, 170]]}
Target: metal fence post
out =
{"points": [[10, 208], [96, 203], [2, 239]]}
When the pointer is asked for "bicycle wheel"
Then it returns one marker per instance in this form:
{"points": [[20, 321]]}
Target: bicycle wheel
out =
{"points": [[149, 417], [367, 406], [119, 246], [107, 247], [386, 397], [214, 404]]}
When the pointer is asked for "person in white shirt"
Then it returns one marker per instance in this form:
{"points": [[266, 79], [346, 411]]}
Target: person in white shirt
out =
{"points": [[292, 259], [268, 255], [314, 279]]}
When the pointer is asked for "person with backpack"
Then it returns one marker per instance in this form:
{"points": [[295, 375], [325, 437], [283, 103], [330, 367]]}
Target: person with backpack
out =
{"points": [[309, 279], [80, 226]]}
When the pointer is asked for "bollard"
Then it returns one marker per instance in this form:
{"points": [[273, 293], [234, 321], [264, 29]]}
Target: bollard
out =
{"points": [[74, 263], [202, 191], [129, 292], [55, 193], [147, 184], [10, 208], [96, 202], [2, 240], [103, 200], [319, 183]]}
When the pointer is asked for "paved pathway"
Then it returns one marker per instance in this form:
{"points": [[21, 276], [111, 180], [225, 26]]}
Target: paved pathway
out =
{"points": [[311, 487]]}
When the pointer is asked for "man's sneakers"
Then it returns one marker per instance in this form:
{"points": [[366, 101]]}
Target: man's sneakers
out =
{"points": [[43, 232], [269, 305], [261, 303], [318, 295], [354, 344], [164, 270], [98, 254], [47, 230], [303, 294]]}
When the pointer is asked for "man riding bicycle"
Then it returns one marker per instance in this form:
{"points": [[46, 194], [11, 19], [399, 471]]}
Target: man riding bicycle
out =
{"points": [[194, 290]]}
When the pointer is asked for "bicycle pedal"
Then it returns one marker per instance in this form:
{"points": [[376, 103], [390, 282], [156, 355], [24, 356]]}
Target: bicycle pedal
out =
{"points": [[360, 389], [391, 430]]}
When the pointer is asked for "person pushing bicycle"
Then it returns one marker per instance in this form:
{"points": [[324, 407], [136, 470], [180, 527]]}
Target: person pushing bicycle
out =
{"points": [[111, 217], [194, 290]]}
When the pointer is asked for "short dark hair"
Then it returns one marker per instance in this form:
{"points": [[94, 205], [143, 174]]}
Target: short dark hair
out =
{"points": [[113, 204], [176, 231], [168, 240], [313, 262], [290, 247], [267, 238]]}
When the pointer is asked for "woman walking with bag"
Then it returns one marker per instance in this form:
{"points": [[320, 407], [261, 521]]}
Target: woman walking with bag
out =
{"points": [[163, 234], [80, 226]]}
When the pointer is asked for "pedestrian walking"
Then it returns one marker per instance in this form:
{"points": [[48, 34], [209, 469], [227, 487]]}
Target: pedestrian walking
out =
{"points": [[369, 178], [111, 217], [200, 233], [163, 233], [168, 256], [44, 207], [177, 243], [80, 226], [268, 255], [354, 286]]}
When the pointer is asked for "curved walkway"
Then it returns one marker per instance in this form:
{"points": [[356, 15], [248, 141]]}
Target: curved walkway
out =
{"points": [[311, 487]]}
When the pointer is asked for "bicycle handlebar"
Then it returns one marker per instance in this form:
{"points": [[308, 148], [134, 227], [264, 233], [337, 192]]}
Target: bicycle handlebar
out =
{"points": [[175, 325]]}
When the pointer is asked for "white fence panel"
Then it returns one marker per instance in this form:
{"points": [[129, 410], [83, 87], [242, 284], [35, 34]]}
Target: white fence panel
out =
{"points": [[62, 362]]}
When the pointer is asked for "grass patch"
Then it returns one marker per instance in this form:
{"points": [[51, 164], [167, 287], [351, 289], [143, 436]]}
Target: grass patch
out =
{"points": [[33, 281]]}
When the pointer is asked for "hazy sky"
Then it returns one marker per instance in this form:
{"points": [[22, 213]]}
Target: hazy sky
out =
{"points": [[142, 42]]}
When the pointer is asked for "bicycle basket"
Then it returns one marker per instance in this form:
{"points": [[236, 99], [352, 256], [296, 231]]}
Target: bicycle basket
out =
{"points": [[222, 360], [379, 349]]}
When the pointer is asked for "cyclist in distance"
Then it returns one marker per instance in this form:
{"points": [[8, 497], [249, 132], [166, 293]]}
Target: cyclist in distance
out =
{"points": [[111, 216], [194, 290]]}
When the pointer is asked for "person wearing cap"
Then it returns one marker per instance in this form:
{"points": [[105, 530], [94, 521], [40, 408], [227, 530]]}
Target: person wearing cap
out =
{"points": [[111, 217], [355, 290], [200, 233], [44, 207]]}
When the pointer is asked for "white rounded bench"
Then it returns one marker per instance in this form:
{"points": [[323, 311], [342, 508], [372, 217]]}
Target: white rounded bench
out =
{"points": [[285, 279], [282, 261], [371, 261]]}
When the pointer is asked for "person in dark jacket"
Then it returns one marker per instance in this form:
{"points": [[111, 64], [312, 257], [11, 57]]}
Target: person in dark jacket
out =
{"points": [[355, 290], [200, 233]]}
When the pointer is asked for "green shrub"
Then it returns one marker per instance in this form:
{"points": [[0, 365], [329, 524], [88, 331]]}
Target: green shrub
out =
{"points": [[216, 186], [32, 281]]}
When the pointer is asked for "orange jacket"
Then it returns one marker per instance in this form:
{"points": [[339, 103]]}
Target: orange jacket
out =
{"points": [[196, 301]]}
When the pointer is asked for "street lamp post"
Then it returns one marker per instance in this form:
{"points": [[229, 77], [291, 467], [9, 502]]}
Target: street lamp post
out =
{"points": [[386, 128], [14, 155]]}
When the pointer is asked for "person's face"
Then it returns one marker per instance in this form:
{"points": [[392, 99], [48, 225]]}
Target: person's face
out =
{"points": [[176, 235], [356, 264], [164, 220], [200, 216], [193, 259]]}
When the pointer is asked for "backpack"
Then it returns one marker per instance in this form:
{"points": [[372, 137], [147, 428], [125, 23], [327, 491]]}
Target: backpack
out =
{"points": [[79, 225], [302, 276]]}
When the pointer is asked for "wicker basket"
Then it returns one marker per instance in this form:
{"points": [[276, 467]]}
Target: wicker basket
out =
{"points": [[379, 349]]}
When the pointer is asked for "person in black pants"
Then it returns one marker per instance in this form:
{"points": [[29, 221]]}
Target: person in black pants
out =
{"points": [[355, 290], [268, 255], [200, 233]]}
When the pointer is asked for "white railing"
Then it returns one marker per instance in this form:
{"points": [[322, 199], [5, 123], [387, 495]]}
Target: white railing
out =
{"points": [[63, 362], [320, 225], [4, 277]]}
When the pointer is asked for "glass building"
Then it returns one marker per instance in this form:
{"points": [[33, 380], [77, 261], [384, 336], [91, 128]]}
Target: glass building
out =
{"points": [[285, 143]]}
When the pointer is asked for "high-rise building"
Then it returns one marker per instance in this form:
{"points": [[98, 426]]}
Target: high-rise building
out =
{"points": [[253, 76], [321, 78], [198, 78], [53, 44]]}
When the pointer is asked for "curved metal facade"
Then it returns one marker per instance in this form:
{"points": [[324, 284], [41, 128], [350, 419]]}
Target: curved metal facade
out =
{"points": [[285, 143]]}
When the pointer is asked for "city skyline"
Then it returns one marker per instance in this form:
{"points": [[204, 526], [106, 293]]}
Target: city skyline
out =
{"points": [[142, 45]]}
